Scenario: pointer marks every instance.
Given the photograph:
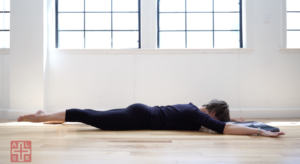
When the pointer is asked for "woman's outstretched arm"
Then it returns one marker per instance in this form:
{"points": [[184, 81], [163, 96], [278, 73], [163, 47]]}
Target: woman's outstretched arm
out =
{"points": [[238, 129], [205, 120]]}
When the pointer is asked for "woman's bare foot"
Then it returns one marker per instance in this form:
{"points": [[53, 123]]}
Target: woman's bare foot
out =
{"points": [[54, 122], [32, 117]]}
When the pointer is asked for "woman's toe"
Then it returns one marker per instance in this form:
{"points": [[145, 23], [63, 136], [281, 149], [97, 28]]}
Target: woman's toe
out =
{"points": [[21, 118]]}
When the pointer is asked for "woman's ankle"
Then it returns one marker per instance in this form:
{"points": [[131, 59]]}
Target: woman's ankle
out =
{"points": [[42, 118]]}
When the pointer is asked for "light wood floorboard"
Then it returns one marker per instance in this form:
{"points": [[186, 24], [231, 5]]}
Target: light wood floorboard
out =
{"points": [[78, 143]]}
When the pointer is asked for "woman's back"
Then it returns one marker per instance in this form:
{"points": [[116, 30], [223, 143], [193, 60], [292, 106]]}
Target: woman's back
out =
{"points": [[182, 117]]}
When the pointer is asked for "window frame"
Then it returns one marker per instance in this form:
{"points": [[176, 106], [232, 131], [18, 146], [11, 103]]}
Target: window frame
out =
{"points": [[286, 29], [2, 30], [213, 21], [111, 30]]}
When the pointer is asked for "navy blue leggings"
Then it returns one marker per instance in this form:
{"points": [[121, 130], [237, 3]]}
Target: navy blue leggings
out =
{"points": [[134, 117]]}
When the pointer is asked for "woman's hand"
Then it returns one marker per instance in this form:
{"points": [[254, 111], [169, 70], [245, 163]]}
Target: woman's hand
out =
{"points": [[241, 119], [270, 134]]}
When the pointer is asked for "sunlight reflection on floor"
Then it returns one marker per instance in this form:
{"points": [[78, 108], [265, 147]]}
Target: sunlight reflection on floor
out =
{"points": [[283, 123], [33, 124], [21, 124]]}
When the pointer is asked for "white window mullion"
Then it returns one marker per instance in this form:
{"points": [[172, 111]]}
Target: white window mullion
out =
{"points": [[148, 24]]}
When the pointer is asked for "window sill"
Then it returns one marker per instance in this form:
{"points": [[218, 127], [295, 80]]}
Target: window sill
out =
{"points": [[290, 50], [151, 51], [4, 51]]}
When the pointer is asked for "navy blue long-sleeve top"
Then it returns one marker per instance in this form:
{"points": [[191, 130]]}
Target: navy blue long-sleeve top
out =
{"points": [[183, 117]]}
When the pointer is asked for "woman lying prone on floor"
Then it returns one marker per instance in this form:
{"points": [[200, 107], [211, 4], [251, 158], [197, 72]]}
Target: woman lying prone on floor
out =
{"points": [[213, 115]]}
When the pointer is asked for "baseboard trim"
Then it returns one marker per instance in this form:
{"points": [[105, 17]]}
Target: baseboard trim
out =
{"points": [[234, 113]]}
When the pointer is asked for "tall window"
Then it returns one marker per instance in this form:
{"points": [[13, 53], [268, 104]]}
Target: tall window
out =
{"points": [[293, 23], [98, 24], [4, 23], [199, 24]]}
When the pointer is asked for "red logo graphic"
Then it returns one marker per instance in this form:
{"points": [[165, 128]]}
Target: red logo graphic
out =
{"points": [[20, 151]]}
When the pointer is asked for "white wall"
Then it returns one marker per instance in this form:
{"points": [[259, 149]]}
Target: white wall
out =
{"points": [[262, 82], [4, 82], [269, 78], [27, 50]]}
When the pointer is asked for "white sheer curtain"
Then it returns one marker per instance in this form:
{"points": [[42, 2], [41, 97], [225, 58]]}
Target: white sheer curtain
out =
{"points": [[4, 23]]}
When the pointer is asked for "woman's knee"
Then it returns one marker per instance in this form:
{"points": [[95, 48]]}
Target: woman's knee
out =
{"points": [[76, 115]]}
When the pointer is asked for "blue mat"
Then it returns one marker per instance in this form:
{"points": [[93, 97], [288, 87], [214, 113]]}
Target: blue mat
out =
{"points": [[254, 124]]}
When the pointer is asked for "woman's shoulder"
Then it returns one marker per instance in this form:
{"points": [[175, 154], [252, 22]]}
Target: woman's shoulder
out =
{"points": [[194, 106], [190, 107]]}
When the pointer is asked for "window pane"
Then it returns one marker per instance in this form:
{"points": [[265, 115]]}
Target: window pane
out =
{"points": [[98, 40], [4, 39], [293, 20], [125, 5], [199, 5], [173, 21], [98, 21], [125, 40], [199, 40], [70, 5], [228, 5], [71, 40], [293, 39], [4, 5], [125, 21], [5, 21], [172, 5], [226, 39], [292, 5], [97, 5], [70, 21], [227, 21], [199, 21], [172, 40]]}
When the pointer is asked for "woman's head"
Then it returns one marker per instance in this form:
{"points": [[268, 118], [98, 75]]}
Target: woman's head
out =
{"points": [[220, 108]]}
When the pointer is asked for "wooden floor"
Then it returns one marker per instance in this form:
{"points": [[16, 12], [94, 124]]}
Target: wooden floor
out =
{"points": [[79, 143]]}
